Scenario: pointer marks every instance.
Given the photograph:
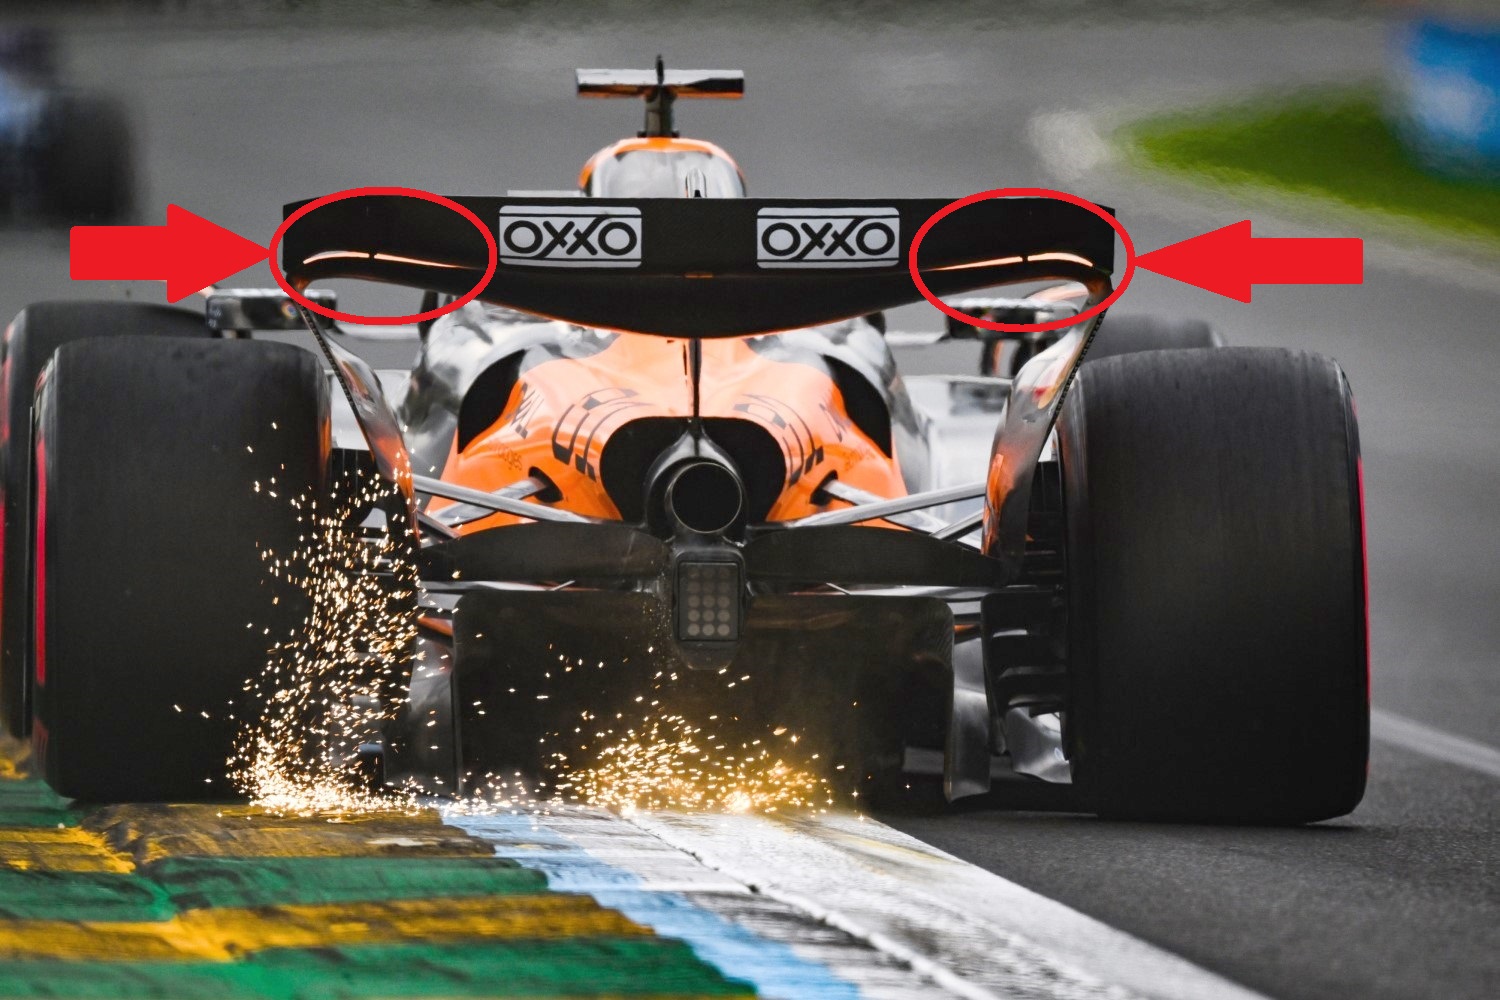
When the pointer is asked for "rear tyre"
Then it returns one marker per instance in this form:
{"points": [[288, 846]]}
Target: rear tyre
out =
{"points": [[153, 605], [29, 342], [1133, 334], [1217, 631]]}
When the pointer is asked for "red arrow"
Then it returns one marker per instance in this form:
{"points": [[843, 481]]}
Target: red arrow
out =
{"points": [[188, 253], [1228, 261]]}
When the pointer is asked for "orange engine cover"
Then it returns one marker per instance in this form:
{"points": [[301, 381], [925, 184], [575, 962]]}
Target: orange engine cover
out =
{"points": [[562, 415]]}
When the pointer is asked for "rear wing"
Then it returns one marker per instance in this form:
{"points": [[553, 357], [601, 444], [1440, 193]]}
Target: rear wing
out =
{"points": [[699, 267], [660, 89], [720, 83]]}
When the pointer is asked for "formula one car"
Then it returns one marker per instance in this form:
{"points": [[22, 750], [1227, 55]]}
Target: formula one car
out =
{"points": [[665, 457], [66, 157]]}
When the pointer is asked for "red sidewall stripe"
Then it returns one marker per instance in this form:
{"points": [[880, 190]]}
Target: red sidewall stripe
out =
{"points": [[39, 602]]}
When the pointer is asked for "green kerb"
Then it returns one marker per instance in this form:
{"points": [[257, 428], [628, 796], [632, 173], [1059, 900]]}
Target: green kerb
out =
{"points": [[201, 882], [51, 895], [175, 884], [647, 967], [32, 803]]}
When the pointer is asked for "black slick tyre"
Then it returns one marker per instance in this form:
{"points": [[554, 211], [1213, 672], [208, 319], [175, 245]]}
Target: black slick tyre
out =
{"points": [[29, 342], [1133, 334], [1217, 631], [152, 602]]}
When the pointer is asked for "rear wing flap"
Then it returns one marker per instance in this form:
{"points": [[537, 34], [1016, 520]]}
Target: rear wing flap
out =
{"points": [[699, 267]]}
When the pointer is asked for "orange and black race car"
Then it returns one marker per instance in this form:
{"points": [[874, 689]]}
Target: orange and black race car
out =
{"points": [[665, 456]]}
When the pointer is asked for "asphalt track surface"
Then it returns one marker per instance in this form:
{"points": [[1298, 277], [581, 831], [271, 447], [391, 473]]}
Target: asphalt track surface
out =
{"points": [[1401, 899]]}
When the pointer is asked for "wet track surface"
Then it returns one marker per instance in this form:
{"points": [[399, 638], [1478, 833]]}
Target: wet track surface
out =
{"points": [[1398, 900], [1402, 899]]}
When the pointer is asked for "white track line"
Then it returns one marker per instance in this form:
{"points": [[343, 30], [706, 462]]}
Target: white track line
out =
{"points": [[972, 932], [780, 950], [1411, 735]]}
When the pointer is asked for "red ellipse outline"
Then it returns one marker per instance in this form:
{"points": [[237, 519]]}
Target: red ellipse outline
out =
{"points": [[1056, 324], [364, 192]]}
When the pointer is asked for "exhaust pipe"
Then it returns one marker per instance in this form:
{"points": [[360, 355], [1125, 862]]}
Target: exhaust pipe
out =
{"points": [[704, 496]]}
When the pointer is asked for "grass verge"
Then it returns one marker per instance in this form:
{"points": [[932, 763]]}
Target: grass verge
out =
{"points": [[1332, 144]]}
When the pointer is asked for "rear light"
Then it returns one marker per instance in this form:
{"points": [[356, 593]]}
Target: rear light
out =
{"points": [[709, 599]]}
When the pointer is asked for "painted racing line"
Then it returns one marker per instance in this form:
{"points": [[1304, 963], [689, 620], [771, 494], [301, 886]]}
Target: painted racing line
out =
{"points": [[1411, 735]]}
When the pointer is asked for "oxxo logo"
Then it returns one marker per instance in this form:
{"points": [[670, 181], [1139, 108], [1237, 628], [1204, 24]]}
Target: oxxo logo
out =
{"points": [[828, 237], [570, 236]]}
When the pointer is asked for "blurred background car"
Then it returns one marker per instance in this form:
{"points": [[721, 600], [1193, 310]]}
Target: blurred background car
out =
{"points": [[66, 157]]}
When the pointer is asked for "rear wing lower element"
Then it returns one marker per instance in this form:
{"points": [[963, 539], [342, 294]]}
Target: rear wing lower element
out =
{"points": [[699, 267]]}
